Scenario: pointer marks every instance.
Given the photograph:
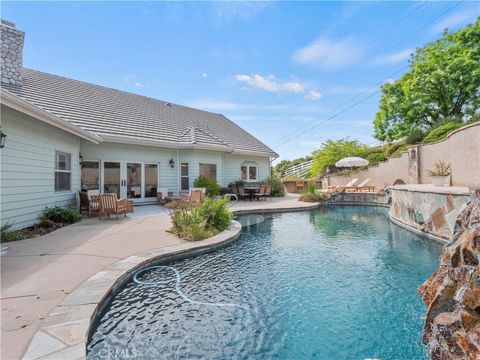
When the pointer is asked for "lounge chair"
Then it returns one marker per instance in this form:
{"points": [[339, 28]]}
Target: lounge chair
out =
{"points": [[88, 202], [343, 187], [363, 186], [110, 204]]}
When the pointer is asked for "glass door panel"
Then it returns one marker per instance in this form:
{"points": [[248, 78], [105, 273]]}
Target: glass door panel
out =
{"points": [[111, 177], [90, 175], [134, 180], [151, 180]]}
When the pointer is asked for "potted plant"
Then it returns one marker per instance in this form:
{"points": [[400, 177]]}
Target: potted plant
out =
{"points": [[441, 172]]}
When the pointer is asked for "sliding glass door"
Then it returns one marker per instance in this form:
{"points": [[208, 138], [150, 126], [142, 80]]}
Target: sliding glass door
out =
{"points": [[112, 177], [151, 181]]}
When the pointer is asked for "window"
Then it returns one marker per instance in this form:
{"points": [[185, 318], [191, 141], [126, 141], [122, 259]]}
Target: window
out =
{"points": [[184, 176], [90, 175], [249, 172], [63, 171], [209, 171]]}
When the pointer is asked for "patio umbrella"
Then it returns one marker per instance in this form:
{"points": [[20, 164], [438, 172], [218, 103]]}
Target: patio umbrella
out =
{"points": [[351, 162]]}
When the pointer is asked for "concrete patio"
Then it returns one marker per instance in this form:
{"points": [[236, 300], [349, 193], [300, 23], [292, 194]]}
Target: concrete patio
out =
{"points": [[37, 274]]}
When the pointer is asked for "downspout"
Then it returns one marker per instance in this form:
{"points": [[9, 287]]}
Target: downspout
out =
{"points": [[178, 172]]}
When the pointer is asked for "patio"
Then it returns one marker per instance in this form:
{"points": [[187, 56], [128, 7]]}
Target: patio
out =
{"points": [[38, 273]]}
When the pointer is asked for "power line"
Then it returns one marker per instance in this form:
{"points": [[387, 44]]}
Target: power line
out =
{"points": [[357, 103]]}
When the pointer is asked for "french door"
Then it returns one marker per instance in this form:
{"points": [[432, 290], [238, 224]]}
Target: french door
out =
{"points": [[135, 180]]}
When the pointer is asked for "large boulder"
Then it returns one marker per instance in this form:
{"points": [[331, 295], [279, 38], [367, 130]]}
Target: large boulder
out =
{"points": [[452, 293]]}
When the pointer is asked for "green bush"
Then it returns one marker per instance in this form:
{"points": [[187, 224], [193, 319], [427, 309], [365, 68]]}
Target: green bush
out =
{"points": [[61, 215], [442, 131], [310, 189], [7, 234], [399, 151], [393, 147], [211, 186], [376, 157], [315, 197], [202, 221], [415, 137], [277, 186]]}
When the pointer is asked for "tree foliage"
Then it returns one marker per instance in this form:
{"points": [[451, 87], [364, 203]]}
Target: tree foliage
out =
{"points": [[334, 150], [285, 164], [444, 82]]}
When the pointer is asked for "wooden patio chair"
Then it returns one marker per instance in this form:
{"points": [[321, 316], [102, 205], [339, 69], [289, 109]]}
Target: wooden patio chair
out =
{"points": [[242, 195], [110, 204], [261, 192], [88, 202], [196, 197], [162, 196], [268, 191]]}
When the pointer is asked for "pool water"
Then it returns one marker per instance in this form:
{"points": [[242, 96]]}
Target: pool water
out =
{"points": [[334, 283]]}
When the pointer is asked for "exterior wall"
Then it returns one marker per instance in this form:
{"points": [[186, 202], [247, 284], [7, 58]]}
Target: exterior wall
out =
{"points": [[461, 149], [27, 168], [126, 152], [232, 163], [196, 157], [427, 211]]}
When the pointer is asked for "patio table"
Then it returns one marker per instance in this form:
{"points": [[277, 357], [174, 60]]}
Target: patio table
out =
{"points": [[252, 190]]}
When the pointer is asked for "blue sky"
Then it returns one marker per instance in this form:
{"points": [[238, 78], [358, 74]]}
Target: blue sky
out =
{"points": [[272, 67]]}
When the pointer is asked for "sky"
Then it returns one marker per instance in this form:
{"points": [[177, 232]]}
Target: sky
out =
{"points": [[293, 74]]}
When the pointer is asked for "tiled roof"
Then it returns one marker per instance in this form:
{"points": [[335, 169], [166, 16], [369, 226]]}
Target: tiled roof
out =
{"points": [[109, 112]]}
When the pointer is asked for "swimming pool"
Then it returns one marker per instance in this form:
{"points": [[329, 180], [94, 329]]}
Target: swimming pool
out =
{"points": [[333, 283]]}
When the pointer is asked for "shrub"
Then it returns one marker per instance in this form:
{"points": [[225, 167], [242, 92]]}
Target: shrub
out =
{"points": [[376, 157], [441, 169], [201, 221], [310, 189], [61, 215], [399, 151], [7, 234], [277, 186], [211, 186], [415, 137], [315, 197], [392, 148], [239, 183], [442, 131]]}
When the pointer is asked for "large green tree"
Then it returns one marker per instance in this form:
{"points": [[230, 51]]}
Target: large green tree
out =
{"points": [[443, 83], [332, 151]]}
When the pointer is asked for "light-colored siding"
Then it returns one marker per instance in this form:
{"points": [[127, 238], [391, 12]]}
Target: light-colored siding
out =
{"points": [[27, 168], [233, 162], [126, 152], [196, 157]]}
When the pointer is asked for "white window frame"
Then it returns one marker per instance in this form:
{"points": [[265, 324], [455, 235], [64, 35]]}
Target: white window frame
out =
{"points": [[57, 152], [249, 165], [185, 176]]}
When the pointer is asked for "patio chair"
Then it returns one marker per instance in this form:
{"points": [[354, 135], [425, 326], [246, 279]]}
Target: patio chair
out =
{"points": [[344, 187], [242, 195], [261, 192], [110, 204], [196, 196], [268, 191], [89, 202], [162, 196], [363, 186]]}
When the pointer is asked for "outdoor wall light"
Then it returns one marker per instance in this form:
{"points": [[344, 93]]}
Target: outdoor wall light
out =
{"points": [[80, 158], [3, 137], [172, 163]]}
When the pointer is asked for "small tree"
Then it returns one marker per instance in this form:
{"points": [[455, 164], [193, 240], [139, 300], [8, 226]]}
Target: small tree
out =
{"points": [[332, 151]]}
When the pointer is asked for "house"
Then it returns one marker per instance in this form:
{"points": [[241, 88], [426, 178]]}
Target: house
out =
{"points": [[63, 135]]}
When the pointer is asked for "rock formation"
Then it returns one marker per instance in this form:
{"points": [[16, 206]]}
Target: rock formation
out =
{"points": [[452, 293]]}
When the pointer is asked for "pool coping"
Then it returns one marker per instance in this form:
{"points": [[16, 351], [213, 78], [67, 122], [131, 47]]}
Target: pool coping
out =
{"points": [[65, 330]]}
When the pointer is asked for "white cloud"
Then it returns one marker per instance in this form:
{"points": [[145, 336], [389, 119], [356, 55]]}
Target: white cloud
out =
{"points": [[313, 95], [132, 80], [213, 105], [329, 53], [391, 59], [204, 75], [458, 19], [227, 12], [270, 83]]}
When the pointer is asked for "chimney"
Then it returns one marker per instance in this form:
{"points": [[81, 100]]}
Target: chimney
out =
{"points": [[11, 54]]}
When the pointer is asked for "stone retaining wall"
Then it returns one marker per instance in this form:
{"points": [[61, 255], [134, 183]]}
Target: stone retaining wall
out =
{"points": [[429, 212]]}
